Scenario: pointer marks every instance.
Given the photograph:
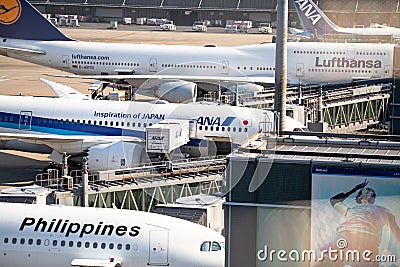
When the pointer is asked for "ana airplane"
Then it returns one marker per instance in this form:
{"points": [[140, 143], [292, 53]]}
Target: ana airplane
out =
{"points": [[314, 21], [114, 132], [175, 71], [44, 236]]}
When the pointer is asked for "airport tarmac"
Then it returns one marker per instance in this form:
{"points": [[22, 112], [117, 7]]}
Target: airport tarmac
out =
{"points": [[18, 77]]}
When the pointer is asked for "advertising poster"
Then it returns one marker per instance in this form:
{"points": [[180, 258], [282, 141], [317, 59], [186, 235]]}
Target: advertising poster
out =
{"points": [[355, 218], [282, 233]]}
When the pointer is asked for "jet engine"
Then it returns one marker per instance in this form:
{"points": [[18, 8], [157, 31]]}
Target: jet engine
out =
{"points": [[242, 87], [115, 155], [177, 91], [245, 88], [174, 91]]}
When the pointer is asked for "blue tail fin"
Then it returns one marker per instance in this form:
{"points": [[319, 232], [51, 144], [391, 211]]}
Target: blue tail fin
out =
{"points": [[312, 19], [20, 20]]}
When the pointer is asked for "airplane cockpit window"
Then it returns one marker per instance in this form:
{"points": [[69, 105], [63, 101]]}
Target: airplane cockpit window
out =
{"points": [[216, 246], [211, 246], [205, 246]]}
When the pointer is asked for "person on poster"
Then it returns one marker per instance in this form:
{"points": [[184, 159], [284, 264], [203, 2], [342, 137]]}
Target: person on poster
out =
{"points": [[361, 230]]}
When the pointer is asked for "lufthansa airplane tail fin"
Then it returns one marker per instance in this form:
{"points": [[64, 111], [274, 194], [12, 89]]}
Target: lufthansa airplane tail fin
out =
{"points": [[312, 19], [20, 20]]}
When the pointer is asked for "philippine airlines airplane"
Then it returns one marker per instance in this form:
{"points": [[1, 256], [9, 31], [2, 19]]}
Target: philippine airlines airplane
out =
{"points": [[313, 20], [176, 70], [113, 132], [47, 236]]}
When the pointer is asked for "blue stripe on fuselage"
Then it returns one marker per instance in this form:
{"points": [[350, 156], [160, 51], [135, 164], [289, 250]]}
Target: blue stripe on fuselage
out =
{"points": [[228, 121], [53, 126]]}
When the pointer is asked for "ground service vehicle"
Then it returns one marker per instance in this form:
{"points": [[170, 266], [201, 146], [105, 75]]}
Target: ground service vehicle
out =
{"points": [[199, 26], [265, 28]]}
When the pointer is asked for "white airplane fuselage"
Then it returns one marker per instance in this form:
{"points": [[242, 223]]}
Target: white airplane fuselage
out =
{"points": [[47, 236], [308, 63]]}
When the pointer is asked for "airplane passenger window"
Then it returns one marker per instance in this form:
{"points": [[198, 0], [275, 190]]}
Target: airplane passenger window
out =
{"points": [[215, 246], [103, 245], [240, 130], [71, 244], [79, 244], [5, 118], [30, 241], [139, 124], [89, 122], [111, 123], [100, 123], [6, 240], [22, 241], [106, 123], [95, 245], [205, 246], [54, 243], [245, 129], [234, 129], [217, 128], [119, 246], [200, 127], [122, 124], [211, 128], [127, 246], [38, 242], [87, 244], [14, 240], [223, 129], [111, 245], [206, 128], [62, 243]]}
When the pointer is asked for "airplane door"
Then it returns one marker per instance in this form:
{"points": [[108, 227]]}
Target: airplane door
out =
{"points": [[65, 62], [299, 70], [25, 120], [388, 71], [158, 248], [153, 65], [192, 129], [351, 52], [225, 67]]}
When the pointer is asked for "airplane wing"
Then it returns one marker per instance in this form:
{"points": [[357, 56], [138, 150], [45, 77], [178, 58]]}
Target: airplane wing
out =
{"points": [[192, 78], [76, 143], [66, 138], [64, 91], [21, 50]]}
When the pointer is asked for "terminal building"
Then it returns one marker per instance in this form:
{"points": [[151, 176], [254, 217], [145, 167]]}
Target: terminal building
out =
{"points": [[278, 195], [185, 12]]}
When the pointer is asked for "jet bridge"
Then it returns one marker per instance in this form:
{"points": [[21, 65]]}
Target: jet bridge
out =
{"points": [[142, 187]]}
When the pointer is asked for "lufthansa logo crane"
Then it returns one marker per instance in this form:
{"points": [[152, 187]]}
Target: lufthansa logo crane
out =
{"points": [[10, 11]]}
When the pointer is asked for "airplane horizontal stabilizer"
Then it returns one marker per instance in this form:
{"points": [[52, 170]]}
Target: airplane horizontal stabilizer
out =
{"points": [[21, 50], [64, 91]]}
